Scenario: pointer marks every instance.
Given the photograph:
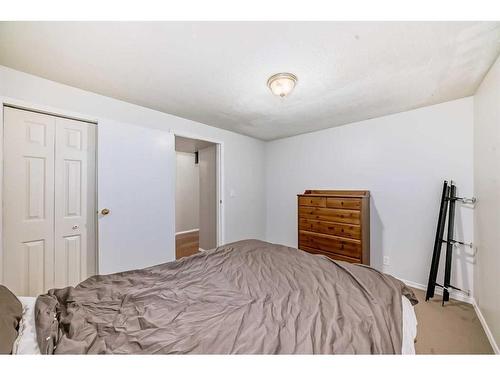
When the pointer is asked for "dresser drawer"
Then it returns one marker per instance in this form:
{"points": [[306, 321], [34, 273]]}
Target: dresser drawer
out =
{"points": [[335, 229], [345, 203], [330, 214], [330, 244], [331, 255], [312, 201]]}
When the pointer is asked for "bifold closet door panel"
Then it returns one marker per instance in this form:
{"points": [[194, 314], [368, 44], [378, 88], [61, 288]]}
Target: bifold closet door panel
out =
{"points": [[71, 201], [28, 201]]}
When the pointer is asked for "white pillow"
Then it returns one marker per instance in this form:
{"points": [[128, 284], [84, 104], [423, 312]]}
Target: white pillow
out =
{"points": [[26, 340]]}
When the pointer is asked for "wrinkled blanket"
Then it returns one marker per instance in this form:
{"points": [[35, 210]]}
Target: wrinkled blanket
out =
{"points": [[245, 297]]}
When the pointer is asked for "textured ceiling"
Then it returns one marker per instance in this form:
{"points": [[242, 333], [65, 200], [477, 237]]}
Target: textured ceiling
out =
{"points": [[216, 72]]}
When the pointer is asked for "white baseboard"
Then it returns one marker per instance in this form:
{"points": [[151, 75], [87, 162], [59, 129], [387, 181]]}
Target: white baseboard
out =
{"points": [[200, 249], [467, 299], [486, 328], [188, 231], [453, 294]]}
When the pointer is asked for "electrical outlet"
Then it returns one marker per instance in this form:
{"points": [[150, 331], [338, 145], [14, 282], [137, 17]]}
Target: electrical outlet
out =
{"points": [[387, 261]]}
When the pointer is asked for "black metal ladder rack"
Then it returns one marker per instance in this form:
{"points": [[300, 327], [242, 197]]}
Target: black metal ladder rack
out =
{"points": [[448, 201]]}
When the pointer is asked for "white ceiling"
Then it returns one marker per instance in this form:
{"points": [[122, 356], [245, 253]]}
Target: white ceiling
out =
{"points": [[216, 72]]}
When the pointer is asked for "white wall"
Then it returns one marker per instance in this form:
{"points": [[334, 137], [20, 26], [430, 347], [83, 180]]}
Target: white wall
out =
{"points": [[402, 159], [487, 190], [135, 182], [187, 192], [383, 155], [243, 157]]}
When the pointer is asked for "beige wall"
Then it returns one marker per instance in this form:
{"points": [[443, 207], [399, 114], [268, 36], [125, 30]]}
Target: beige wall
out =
{"points": [[187, 191], [487, 191], [208, 196]]}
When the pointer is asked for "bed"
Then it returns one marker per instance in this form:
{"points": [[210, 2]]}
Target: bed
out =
{"points": [[249, 297]]}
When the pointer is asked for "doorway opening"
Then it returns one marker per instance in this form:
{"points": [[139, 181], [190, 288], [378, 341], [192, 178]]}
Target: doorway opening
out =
{"points": [[196, 196]]}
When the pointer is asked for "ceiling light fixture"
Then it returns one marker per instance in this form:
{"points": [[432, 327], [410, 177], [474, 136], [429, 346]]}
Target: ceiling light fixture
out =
{"points": [[282, 84]]}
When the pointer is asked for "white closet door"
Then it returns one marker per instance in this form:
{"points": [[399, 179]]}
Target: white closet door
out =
{"points": [[71, 184], [28, 248]]}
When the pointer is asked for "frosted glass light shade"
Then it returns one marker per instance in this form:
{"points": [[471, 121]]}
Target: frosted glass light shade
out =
{"points": [[282, 84]]}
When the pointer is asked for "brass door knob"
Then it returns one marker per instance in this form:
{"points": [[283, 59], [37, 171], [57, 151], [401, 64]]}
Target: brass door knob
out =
{"points": [[105, 211]]}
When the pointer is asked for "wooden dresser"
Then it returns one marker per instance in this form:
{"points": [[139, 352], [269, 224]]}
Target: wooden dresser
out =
{"points": [[335, 223]]}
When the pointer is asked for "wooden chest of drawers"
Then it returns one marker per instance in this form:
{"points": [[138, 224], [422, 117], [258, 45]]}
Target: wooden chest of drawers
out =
{"points": [[335, 223]]}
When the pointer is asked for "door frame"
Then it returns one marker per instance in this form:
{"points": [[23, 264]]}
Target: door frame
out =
{"points": [[46, 110], [219, 178]]}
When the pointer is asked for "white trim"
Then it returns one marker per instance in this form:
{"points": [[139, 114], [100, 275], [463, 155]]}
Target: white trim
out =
{"points": [[188, 231], [48, 113], [453, 294], [1, 189], [219, 170], [486, 328], [200, 249], [48, 109]]}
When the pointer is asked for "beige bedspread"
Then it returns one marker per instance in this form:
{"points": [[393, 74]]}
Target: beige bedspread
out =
{"points": [[246, 297]]}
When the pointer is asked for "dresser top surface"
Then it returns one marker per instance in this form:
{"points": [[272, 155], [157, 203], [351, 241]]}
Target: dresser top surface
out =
{"points": [[336, 193]]}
